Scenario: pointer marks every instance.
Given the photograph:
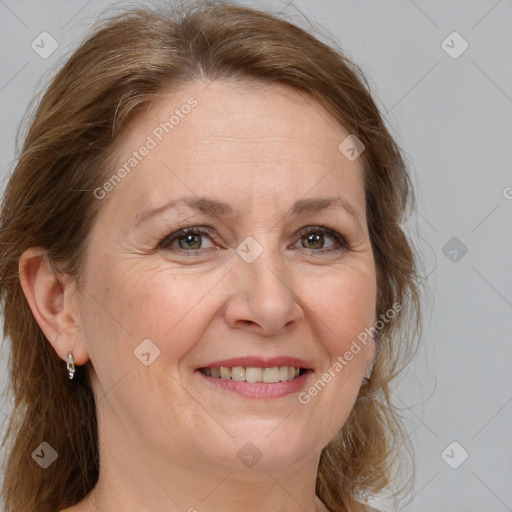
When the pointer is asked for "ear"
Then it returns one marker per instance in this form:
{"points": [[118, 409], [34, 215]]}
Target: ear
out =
{"points": [[54, 301]]}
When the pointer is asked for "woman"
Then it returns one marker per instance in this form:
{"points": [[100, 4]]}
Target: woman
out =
{"points": [[203, 274]]}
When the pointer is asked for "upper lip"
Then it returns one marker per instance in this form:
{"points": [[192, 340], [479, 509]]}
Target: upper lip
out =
{"points": [[259, 362]]}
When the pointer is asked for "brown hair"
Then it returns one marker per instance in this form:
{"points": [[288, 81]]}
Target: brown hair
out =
{"points": [[121, 67]]}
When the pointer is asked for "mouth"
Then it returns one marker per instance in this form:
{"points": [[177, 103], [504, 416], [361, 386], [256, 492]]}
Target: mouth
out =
{"points": [[253, 374], [257, 377]]}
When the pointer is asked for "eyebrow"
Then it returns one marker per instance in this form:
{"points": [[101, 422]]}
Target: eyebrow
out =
{"points": [[214, 207]]}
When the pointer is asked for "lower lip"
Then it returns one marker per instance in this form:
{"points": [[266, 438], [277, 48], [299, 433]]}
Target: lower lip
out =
{"points": [[258, 389]]}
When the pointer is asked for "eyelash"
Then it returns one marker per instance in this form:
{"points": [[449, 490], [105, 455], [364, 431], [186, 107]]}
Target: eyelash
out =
{"points": [[340, 241]]}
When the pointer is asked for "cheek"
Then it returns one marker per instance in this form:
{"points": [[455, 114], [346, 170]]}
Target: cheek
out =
{"points": [[132, 301], [342, 308], [345, 304]]}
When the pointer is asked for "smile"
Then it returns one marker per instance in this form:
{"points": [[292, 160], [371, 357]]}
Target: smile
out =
{"points": [[256, 382], [254, 374]]}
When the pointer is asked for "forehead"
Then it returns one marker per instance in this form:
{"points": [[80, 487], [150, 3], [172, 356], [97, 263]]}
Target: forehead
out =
{"points": [[234, 141]]}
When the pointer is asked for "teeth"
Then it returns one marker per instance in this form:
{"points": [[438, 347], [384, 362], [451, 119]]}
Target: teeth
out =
{"points": [[238, 373], [271, 375], [225, 373], [283, 373], [254, 374]]}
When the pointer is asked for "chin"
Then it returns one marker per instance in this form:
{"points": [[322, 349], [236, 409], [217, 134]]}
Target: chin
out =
{"points": [[265, 450]]}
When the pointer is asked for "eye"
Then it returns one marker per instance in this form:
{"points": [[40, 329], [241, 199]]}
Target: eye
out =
{"points": [[314, 237], [188, 239], [191, 240]]}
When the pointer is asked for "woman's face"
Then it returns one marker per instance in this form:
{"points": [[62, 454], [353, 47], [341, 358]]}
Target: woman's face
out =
{"points": [[265, 271]]}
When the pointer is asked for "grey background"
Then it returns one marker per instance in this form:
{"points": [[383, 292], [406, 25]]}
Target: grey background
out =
{"points": [[453, 118]]}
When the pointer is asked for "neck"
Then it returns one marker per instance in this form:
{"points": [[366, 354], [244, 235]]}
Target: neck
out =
{"points": [[229, 494]]}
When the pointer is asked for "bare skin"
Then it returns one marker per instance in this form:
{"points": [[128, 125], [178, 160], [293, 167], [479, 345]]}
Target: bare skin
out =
{"points": [[169, 439]]}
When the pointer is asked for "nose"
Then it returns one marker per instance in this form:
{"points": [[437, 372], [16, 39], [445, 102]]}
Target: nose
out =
{"points": [[263, 299]]}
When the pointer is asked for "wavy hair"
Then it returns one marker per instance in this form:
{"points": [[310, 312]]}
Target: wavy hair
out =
{"points": [[124, 63]]}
